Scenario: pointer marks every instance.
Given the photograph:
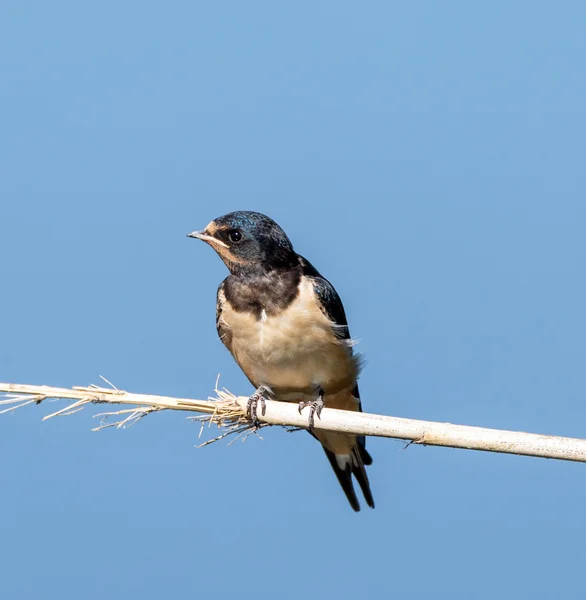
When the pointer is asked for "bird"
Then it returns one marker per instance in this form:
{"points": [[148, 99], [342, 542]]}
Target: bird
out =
{"points": [[285, 326]]}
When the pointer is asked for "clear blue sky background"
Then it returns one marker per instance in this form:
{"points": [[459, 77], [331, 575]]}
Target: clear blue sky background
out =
{"points": [[428, 158]]}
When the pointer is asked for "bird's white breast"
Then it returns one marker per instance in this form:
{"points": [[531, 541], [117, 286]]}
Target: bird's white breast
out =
{"points": [[295, 350]]}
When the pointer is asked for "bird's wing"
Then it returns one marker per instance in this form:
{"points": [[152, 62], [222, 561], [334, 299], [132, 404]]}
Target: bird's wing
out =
{"points": [[223, 332], [328, 299], [353, 458]]}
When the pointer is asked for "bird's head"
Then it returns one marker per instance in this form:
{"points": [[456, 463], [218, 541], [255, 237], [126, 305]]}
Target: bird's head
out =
{"points": [[248, 241]]}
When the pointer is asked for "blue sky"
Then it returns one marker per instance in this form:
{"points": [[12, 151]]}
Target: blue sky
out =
{"points": [[427, 157]]}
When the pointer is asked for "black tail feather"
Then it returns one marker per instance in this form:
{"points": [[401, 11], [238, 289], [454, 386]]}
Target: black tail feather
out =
{"points": [[354, 466], [364, 455], [345, 478], [360, 458]]}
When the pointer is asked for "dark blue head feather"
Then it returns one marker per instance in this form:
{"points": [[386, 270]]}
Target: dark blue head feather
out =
{"points": [[251, 241]]}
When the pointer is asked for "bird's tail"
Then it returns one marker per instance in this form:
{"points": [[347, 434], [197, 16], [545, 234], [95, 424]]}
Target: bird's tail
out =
{"points": [[350, 463]]}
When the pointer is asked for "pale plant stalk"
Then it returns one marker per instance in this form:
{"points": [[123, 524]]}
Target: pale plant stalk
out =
{"points": [[229, 413]]}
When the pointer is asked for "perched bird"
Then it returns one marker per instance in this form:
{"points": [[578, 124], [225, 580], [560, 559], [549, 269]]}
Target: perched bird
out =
{"points": [[286, 328]]}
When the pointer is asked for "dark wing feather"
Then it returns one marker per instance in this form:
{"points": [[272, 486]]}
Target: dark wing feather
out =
{"points": [[330, 303], [223, 332]]}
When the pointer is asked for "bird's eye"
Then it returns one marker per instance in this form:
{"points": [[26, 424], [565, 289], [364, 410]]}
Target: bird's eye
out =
{"points": [[235, 236]]}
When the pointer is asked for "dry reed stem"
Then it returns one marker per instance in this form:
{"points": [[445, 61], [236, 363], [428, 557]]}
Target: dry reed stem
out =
{"points": [[228, 412]]}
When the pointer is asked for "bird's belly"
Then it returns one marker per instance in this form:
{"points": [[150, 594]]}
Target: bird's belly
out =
{"points": [[294, 352]]}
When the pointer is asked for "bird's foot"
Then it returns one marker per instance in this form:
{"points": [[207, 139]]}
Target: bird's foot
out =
{"points": [[259, 397], [315, 408]]}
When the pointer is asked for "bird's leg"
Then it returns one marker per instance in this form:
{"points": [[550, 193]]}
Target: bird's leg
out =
{"points": [[315, 407], [259, 396]]}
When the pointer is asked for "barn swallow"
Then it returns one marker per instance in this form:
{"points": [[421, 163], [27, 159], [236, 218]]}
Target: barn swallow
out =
{"points": [[285, 326]]}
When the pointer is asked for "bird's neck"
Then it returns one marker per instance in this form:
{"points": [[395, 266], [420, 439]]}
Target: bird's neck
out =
{"points": [[258, 290], [274, 267]]}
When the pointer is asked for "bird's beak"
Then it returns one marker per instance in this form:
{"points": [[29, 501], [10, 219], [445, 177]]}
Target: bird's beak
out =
{"points": [[200, 235], [204, 237]]}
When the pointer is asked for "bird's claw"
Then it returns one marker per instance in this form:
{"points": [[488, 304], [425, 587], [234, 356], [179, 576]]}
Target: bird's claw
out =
{"points": [[315, 408], [257, 398]]}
